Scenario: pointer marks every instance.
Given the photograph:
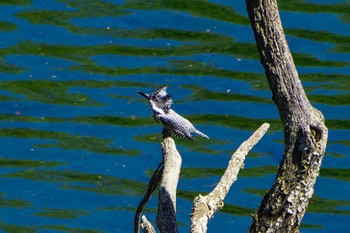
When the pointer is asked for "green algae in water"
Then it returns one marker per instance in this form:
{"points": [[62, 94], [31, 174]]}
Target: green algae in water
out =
{"points": [[58, 92], [61, 213], [10, 203], [200, 94], [69, 229], [68, 141], [48, 92], [198, 8], [16, 228], [7, 26], [15, 2], [18, 163], [189, 173], [96, 183]]}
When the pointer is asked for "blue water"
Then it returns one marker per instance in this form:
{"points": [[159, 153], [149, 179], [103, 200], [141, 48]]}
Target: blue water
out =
{"points": [[78, 144]]}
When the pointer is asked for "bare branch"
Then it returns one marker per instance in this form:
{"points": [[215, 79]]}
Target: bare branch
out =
{"points": [[205, 206], [166, 218]]}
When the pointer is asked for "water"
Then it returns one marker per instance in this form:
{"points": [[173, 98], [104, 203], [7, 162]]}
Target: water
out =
{"points": [[78, 144]]}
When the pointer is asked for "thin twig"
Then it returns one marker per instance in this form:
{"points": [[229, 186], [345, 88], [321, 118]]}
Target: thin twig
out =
{"points": [[155, 179]]}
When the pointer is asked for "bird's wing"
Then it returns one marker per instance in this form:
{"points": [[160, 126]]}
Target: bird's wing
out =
{"points": [[173, 126]]}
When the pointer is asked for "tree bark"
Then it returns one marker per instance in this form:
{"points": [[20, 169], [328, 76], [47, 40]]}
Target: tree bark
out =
{"points": [[305, 134]]}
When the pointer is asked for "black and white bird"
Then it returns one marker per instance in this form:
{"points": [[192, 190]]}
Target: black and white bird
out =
{"points": [[160, 102]]}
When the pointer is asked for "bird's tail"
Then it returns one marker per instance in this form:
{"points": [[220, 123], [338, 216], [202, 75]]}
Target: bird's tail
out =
{"points": [[201, 134]]}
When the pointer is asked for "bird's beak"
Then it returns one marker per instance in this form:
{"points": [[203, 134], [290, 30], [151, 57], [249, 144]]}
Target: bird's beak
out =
{"points": [[144, 95]]}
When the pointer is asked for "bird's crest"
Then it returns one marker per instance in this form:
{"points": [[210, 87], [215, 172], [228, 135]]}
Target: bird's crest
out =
{"points": [[162, 98]]}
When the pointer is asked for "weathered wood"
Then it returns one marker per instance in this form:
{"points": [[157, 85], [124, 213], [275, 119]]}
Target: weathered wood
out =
{"points": [[305, 136], [146, 226], [166, 218], [205, 206]]}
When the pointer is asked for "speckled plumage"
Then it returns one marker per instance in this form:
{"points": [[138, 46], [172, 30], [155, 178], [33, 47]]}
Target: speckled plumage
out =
{"points": [[160, 102]]}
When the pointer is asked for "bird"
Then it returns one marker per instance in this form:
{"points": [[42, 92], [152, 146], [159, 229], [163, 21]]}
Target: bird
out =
{"points": [[160, 102]]}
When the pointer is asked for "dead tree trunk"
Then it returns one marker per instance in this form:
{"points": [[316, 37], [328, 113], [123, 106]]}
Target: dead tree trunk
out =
{"points": [[305, 136], [166, 218], [166, 176]]}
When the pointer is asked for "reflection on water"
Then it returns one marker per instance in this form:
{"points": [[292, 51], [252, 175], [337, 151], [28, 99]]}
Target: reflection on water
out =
{"points": [[79, 145]]}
